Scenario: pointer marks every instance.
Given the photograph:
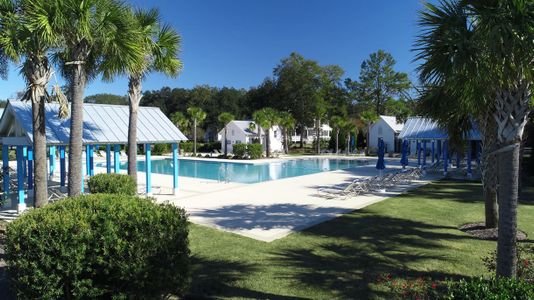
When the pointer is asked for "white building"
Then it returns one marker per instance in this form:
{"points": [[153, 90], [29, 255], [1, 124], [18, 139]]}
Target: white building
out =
{"points": [[239, 132], [387, 128], [310, 134]]}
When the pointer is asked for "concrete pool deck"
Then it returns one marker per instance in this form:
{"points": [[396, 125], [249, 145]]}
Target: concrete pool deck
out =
{"points": [[269, 210]]}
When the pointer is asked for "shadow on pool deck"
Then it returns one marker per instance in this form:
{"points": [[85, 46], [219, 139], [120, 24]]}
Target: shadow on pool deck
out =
{"points": [[247, 217]]}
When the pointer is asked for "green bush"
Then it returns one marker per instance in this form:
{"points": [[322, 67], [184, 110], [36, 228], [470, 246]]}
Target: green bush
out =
{"points": [[187, 146], [160, 149], [481, 289], [240, 150], [119, 184], [209, 147], [99, 246], [255, 151]]}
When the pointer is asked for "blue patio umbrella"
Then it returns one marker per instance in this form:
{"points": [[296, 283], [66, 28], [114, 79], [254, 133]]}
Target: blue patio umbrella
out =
{"points": [[404, 157], [380, 164]]}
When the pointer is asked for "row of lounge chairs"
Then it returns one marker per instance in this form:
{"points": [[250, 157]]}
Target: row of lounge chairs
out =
{"points": [[373, 184]]}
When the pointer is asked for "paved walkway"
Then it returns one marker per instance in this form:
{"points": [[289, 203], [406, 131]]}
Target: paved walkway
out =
{"points": [[272, 210]]}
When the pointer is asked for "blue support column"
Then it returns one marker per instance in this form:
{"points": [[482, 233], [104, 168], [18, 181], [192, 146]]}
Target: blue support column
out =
{"points": [[86, 170], [52, 161], [445, 151], [175, 168], [479, 150], [62, 166], [5, 169], [433, 151], [148, 164], [108, 159], [469, 158], [20, 179], [424, 153], [438, 156], [91, 160], [418, 153], [87, 160], [30, 171], [458, 159], [116, 159], [24, 161]]}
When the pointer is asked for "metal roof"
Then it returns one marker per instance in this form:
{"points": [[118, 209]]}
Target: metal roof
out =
{"points": [[102, 124], [392, 122], [417, 128]]}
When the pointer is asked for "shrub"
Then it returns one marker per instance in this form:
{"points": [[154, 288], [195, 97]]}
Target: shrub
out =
{"points": [[240, 150], [495, 288], [119, 184], [255, 150], [209, 147], [525, 262], [323, 143], [99, 246], [410, 288], [186, 146], [160, 149]]}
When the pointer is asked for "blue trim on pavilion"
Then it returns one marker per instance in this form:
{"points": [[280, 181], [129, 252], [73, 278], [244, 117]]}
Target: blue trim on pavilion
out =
{"points": [[424, 130], [105, 125]]}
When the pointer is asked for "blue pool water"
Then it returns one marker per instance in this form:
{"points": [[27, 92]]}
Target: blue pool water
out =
{"points": [[248, 173]]}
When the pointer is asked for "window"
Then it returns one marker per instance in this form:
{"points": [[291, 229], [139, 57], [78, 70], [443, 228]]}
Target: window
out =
{"points": [[275, 133], [238, 142], [233, 132], [380, 131]]}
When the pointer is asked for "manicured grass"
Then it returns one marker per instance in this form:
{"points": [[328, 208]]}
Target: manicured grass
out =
{"points": [[410, 235]]}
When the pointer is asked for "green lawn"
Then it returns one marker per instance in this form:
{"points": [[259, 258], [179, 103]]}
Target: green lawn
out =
{"points": [[410, 235]]}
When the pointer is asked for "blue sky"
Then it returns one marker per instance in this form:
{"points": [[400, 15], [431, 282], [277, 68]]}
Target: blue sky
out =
{"points": [[237, 43]]}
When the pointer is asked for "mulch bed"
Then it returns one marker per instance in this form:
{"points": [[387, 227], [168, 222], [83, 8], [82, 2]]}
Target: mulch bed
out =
{"points": [[480, 231]]}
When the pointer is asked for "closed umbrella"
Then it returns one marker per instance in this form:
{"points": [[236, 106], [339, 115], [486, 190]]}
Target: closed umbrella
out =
{"points": [[404, 157], [380, 164]]}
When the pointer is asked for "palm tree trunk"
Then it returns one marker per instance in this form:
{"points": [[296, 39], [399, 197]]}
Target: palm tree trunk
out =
{"points": [[348, 144], [77, 87], [268, 143], [134, 92], [195, 137], [318, 135], [337, 141], [225, 141], [489, 170], [302, 137], [511, 112], [39, 152]]}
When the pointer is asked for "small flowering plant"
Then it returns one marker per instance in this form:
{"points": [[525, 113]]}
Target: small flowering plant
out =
{"points": [[525, 262], [420, 288]]}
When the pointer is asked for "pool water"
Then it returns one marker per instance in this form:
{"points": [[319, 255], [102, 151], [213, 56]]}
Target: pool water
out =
{"points": [[248, 173]]}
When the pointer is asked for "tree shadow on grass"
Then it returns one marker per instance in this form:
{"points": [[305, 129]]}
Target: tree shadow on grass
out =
{"points": [[212, 279], [355, 249]]}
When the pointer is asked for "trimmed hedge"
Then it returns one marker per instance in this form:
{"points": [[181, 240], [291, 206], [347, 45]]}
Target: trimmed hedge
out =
{"points": [[119, 184], [495, 288], [255, 151], [240, 150], [99, 246]]}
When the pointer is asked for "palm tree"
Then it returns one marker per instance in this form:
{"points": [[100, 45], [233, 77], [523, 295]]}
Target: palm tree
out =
{"points": [[225, 118], [368, 118], [287, 122], [197, 117], [24, 35], [160, 46], [99, 37], [267, 118], [337, 122], [482, 50], [252, 126], [349, 129], [181, 121]]}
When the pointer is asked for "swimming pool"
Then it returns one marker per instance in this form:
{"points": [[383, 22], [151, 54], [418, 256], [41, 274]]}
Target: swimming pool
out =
{"points": [[248, 172]]}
